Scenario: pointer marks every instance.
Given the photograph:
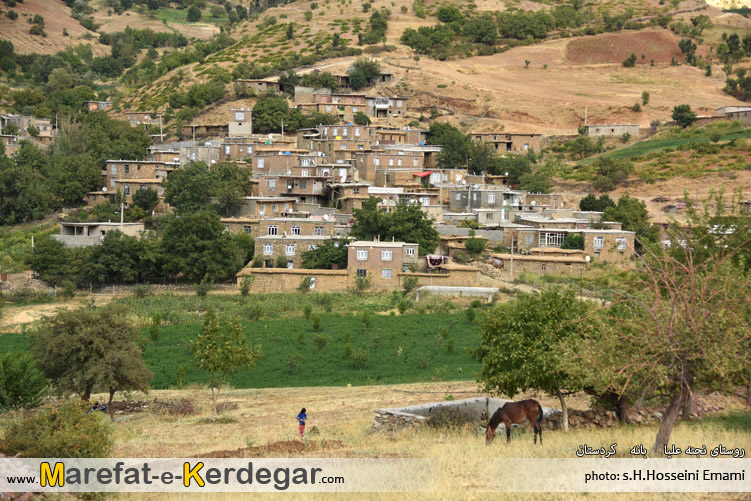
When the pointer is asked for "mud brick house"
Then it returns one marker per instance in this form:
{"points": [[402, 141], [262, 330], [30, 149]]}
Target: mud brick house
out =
{"points": [[261, 85], [259, 207], [511, 142], [11, 144], [292, 247], [612, 130], [135, 170], [240, 122], [541, 263]]}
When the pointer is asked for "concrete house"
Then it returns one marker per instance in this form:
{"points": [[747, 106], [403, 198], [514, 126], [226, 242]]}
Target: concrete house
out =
{"points": [[511, 142], [86, 234], [380, 261], [97, 105]]}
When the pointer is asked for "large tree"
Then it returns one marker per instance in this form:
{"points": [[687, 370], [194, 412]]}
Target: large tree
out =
{"points": [[408, 223], [80, 350], [520, 345], [196, 246]]}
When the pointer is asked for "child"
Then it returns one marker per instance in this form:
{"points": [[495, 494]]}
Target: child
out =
{"points": [[301, 418]]}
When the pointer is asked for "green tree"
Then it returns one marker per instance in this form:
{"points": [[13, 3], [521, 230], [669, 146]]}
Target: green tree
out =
{"points": [[448, 13], [361, 118], [630, 61], [573, 241], [482, 29], [633, 213], [645, 98], [79, 350], [540, 181], [329, 254], [146, 199], [268, 113], [683, 115], [475, 245], [520, 345], [196, 246], [194, 14], [189, 189], [611, 172], [408, 223], [221, 349], [21, 382], [592, 203]]}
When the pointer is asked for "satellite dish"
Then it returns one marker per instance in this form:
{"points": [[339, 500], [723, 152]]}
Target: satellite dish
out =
{"points": [[464, 181], [325, 217], [104, 188]]}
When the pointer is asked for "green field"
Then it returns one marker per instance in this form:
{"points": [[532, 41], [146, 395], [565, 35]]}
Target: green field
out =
{"points": [[655, 145], [399, 349]]}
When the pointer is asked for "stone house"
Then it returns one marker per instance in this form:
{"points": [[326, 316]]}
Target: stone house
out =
{"points": [[381, 262], [240, 122], [261, 85], [116, 170], [511, 142], [259, 207], [613, 130], [292, 247]]}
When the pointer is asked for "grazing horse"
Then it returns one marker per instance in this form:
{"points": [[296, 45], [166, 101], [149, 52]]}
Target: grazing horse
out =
{"points": [[515, 413]]}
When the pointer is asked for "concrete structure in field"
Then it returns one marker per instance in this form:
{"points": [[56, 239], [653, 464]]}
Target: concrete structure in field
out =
{"points": [[509, 142], [86, 234], [617, 130]]}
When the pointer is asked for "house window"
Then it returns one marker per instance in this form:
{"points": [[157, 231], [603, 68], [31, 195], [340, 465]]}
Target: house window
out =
{"points": [[357, 132], [138, 167], [290, 264], [488, 216], [296, 230], [458, 196], [386, 255], [362, 254], [377, 161], [391, 162], [356, 191], [344, 131], [250, 150], [336, 131], [226, 149], [361, 273], [268, 249], [399, 162], [262, 210], [305, 172], [275, 207], [410, 251], [127, 169], [529, 240], [491, 198], [247, 229], [239, 116], [620, 243], [260, 163], [304, 184], [526, 146], [312, 247], [599, 242], [318, 230], [551, 239], [126, 189], [272, 184], [290, 251], [386, 274], [273, 230], [543, 267], [113, 183]]}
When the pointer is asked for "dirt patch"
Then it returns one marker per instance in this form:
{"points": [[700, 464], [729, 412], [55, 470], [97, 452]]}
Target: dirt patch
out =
{"points": [[660, 46], [284, 448]]}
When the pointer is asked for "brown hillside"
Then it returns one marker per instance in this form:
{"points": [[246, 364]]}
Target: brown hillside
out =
{"points": [[56, 18], [659, 45]]}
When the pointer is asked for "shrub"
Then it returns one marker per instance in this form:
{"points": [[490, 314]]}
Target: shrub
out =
{"points": [[362, 283], [451, 344], [645, 97], [203, 287], [320, 342], [141, 290], [21, 382], [474, 245], [316, 323], [359, 359], [257, 262], [281, 262], [294, 361], [403, 306], [306, 311], [630, 61], [156, 322], [308, 15], [471, 315], [423, 361], [409, 284], [67, 431], [245, 285], [636, 107], [573, 241], [305, 284]]}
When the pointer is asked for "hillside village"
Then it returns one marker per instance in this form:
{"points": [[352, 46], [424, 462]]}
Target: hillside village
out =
{"points": [[216, 212]]}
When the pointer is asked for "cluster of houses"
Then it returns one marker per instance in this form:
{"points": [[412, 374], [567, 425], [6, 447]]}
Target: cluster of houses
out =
{"points": [[306, 186]]}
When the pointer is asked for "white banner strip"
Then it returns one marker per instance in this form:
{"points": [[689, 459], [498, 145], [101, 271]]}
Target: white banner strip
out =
{"points": [[374, 475]]}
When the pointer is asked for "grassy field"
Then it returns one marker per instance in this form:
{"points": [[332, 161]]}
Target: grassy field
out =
{"points": [[654, 145], [388, 349]]}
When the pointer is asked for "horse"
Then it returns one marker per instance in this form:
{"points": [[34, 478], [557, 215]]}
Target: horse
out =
{"points": [[515, 413]]}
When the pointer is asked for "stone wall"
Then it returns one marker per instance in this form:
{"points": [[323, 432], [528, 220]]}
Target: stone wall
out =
{"points": [[288, 280]]}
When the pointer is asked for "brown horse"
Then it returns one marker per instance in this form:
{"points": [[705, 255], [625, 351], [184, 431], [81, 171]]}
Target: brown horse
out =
{"points": [[515, 413]]}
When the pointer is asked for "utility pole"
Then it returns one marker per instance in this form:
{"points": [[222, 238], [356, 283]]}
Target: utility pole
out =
{"points": [[282, 128], [511, 278], [585, 115]]}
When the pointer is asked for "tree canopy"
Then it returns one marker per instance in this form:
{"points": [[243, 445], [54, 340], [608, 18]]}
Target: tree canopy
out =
{"points": [[408, 223]]}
